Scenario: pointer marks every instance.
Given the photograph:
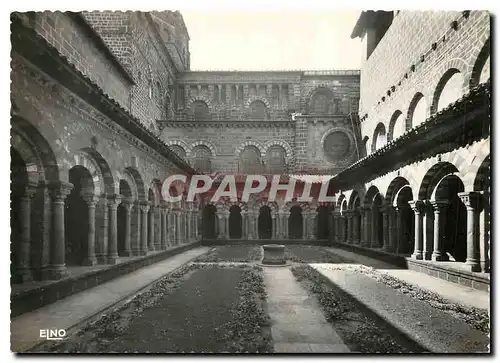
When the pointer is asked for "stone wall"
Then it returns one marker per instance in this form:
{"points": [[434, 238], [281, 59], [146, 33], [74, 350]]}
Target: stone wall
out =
{"points": [[414, 59]]}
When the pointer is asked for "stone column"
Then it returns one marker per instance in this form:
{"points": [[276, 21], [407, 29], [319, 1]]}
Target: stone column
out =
{"points": [[58, 192], [374, 223], [226, 225], [157, 228], [244, 222], [164, 227], [385, 227], [366, 229], [178, 227], [144, 228], [24, 268], [472, 203], [305, 218], [393, 232], [250, 217], [355, 227], [439, 216], [273, 225], [127, 204], [172, 223], [418, 210], [399, 228], [220, 219], [113, 202], [135, 228], [336, 227], [312, 221], [90, 259], [151, 227], [286, 216], [427, 231], [349, 215]]}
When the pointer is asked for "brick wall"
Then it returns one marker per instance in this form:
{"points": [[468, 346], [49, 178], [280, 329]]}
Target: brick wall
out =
{"points": [[62, 32], [411, 36]]}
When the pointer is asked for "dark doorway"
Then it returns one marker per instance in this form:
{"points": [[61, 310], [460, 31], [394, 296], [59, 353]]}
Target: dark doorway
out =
{"points": [[378, 221], [235, 222], [209, 221], [295, 223], [265, 223], [76, 216], [322, 223], [19, 180]]}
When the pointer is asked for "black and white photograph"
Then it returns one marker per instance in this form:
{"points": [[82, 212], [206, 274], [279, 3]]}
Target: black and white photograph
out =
{"points": [[263, 181]]}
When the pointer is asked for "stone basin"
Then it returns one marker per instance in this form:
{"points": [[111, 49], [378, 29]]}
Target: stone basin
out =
{"points": [[274, 255]]}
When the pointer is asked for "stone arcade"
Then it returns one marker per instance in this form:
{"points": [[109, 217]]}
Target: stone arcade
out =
{"points": [[105, 107]]}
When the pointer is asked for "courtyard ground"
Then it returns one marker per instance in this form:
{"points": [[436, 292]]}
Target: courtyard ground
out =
{"points": [[220, 300]]}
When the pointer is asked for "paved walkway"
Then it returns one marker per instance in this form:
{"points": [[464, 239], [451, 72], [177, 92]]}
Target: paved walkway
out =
{"points": [[298, 325], [448, 290], [78, 308], [434, 329]]}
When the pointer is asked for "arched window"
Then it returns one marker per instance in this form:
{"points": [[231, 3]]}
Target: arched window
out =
{"points": [[322, 102], [379, 137], [178, 150], [200, 111], [250, 162], [258, 110], [276, 160], [397, 126], [202, 159], [449, 89]]}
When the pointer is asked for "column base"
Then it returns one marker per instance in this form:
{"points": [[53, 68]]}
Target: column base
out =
{"points": [[89, 261], [136, 253], [417, 256], [102, 260], [436, 257], [113, 260], [25, 274], [126, 254], [473, 266], [56, 272], [426, 256]]}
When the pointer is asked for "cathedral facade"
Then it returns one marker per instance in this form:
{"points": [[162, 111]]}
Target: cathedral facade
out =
{"points": [[105, 107]]}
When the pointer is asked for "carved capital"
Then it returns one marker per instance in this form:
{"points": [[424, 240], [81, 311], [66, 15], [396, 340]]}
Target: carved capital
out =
{"points": [[418, 206], [470, 199], [90, 199], [144, 206], [439, 205], [114, 200], [59, 190]]}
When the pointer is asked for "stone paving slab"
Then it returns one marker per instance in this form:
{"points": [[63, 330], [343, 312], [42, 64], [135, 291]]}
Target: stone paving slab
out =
{"points": [[436, 330], [448, 290], [297, 323], [77, 308]]}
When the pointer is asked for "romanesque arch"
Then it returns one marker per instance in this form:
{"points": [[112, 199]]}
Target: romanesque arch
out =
{"points": [[250, 159], [282, 143], [258, 110], [395, 185], [397, 126], [379, 137], [179, 147], [138, 181], [449, 88], [417, 111], [480, 71], [204, 143], [202, 158], [320, 101], [432, 177]]}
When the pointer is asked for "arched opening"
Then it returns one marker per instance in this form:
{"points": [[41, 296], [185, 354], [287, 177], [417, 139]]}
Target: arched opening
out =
{"points": [[406, 225], [265, 223], [202, 159], [356, 233], [377, 220], [322, 102], [481, 70], [449, 89], [258, 110], [454, 235], [276, 160], [209, 221], [250, 162], [417, 112], [121, 215], [151, 219], [482, 184], [235, 222], [178, 150], [397, 126], [76, 216], [19, 181], [200, 111], [379, 137], [322, 222], [295, 223]]}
